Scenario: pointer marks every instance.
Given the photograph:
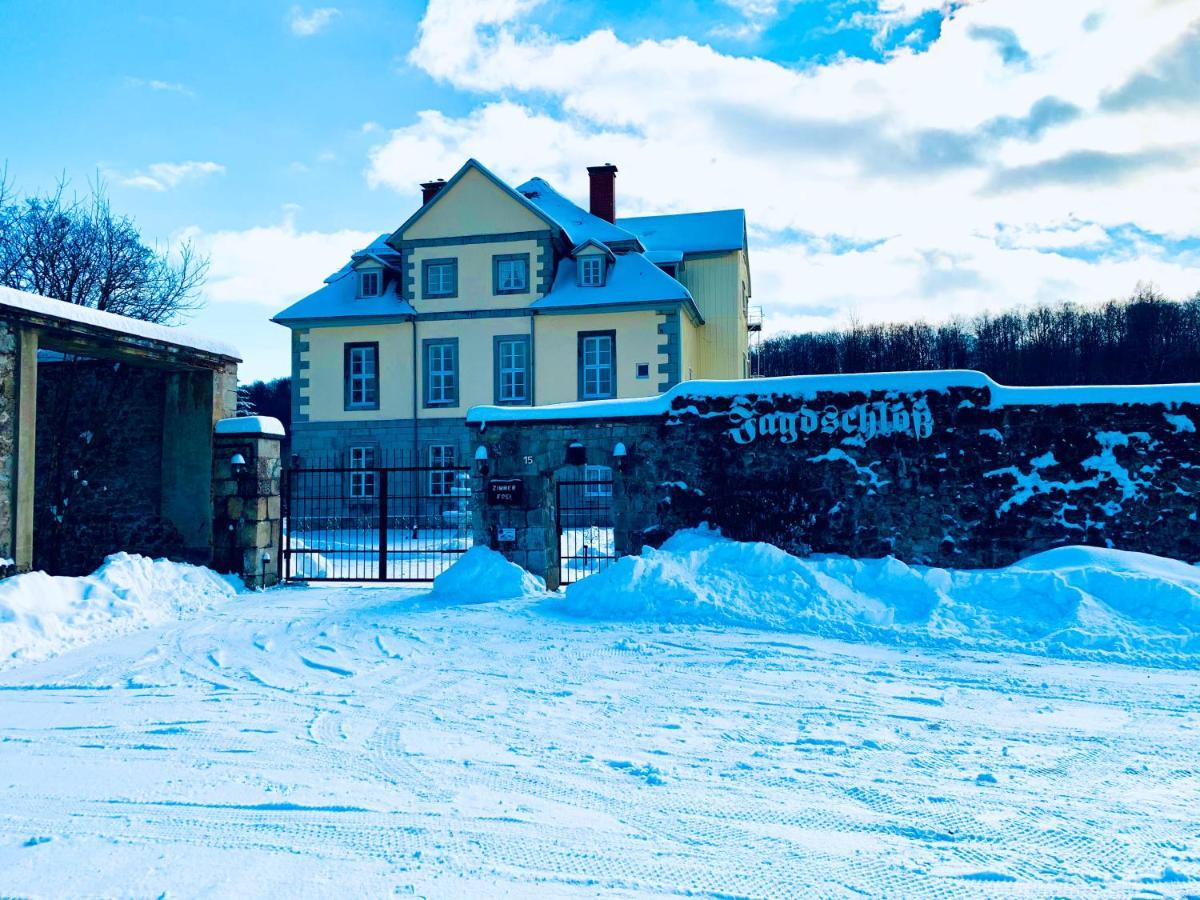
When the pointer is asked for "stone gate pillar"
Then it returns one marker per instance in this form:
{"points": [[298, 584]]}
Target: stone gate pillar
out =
{"points": [[247, 513]]}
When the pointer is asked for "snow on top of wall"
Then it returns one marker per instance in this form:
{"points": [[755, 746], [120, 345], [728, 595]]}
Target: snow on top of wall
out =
{"points": [[807, 387], [11, 298], [250, 425]]}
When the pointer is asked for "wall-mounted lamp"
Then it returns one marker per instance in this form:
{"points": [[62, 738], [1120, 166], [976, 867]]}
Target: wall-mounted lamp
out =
{"points": [[620, 454], [264, 559], [576, 454], [237, 463], [481, 460]]}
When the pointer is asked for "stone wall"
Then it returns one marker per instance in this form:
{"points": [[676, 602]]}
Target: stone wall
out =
{"points": [[314, 442], [99, 484], [938, 468], [247, 514]]}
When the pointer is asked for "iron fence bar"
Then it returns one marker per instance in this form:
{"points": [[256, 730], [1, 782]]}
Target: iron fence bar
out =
{"points": [[381, 492]]}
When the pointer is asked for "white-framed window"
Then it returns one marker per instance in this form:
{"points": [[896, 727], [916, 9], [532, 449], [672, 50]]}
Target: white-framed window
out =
{"points": [[369, 283], [597, 481], [512, 370], [440, 277], [362, 484], [442, 459], [362, 376], [596, 375], [441, 373], [512, 274], [591, 271]]}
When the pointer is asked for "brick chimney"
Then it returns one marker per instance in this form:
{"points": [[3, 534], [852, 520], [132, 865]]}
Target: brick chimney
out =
{"points": [[604, 191], [429, 189]]}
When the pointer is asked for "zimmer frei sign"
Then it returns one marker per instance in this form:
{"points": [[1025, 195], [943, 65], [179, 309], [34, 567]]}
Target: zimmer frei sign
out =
{"points": [[866, 421]]}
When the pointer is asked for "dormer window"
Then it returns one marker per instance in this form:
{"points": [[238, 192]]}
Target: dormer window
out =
{"points": [[591, 271], [369, 283]]}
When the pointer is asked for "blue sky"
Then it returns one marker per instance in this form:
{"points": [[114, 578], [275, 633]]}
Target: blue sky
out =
{"points": [[896, 158]]}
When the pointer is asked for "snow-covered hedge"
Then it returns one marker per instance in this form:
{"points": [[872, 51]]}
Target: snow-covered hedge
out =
{"points": [[43, 615], [1070, 602]]}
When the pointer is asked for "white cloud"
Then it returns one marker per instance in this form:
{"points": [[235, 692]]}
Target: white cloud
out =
{"points": [[932, 150], [164, 176], [757, 16], [306, 24], [272, 265], [154, 84]]}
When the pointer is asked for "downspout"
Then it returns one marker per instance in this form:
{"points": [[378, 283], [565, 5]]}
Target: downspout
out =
{"points": [[533, 359], [416, 457]]}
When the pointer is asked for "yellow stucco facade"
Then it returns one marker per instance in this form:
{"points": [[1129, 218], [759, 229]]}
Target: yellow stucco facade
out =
{"points": [[458, 319]]}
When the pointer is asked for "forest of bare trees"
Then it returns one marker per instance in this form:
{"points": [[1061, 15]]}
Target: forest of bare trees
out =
{"points": [[1146, 338]]}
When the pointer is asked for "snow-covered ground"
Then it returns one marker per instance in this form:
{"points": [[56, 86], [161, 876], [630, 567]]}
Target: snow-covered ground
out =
{"points": [[379, 741]]}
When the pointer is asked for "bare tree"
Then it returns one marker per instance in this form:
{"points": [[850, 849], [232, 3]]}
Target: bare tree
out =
{"points": [[79, 251], [1144, 339]]}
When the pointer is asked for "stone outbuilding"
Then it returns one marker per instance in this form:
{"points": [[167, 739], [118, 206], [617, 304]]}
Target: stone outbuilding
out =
{"points": [[106, 435]]}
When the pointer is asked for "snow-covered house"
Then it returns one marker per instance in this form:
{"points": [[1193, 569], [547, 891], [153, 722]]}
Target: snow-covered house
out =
{"points": [[490, 294]]}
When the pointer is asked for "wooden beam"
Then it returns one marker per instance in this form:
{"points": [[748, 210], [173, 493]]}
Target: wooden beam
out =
{"points": [[27, 348]]}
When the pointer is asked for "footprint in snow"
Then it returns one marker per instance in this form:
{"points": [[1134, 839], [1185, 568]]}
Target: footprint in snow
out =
{"points": [[651, 774]]}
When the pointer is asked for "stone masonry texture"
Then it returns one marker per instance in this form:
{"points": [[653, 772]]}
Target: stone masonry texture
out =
{"points": [[932, 477]]}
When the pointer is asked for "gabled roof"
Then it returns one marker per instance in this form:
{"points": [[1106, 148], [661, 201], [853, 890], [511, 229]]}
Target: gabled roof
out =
{"points": [[592, 242], [487, 173], [631, 280], [381, 251], [378, 250], [578, 224], [339, 299], [702, 232]]}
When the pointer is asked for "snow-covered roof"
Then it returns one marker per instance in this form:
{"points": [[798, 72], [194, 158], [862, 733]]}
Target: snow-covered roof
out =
{"points": [[250, 425], [631, 279], [807, 387], [23, 301], [701, 232], [633, 276], [577, 223], [339, 299]]}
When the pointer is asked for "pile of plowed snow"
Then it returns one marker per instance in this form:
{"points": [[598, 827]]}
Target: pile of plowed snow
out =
{"points": [[1080, 602], [42, 615], [482, 574]]}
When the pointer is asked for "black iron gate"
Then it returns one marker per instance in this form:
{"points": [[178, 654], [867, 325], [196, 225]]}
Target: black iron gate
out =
{"points": [[584, 516], [368, 522]]}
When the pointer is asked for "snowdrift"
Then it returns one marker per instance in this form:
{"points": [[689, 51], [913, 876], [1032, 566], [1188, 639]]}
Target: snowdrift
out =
{"points": [[43, 615], [1078, 602], [481, 574]]}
